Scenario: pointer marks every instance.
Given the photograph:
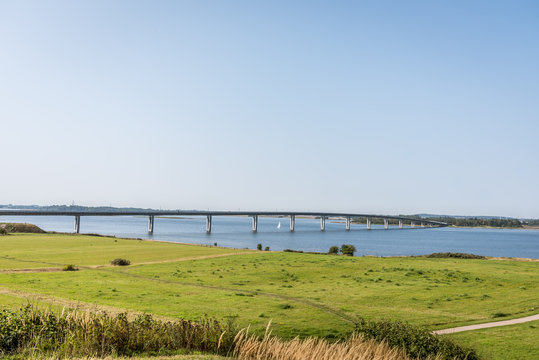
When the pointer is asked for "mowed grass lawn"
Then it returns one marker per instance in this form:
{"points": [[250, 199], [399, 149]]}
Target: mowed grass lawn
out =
{"points": [[302, 294]]}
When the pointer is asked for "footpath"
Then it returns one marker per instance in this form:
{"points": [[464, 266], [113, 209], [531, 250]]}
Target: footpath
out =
{"points": [[487, 325]]}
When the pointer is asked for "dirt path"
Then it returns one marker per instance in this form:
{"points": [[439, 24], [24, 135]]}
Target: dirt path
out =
{"points": [[201, 257], [487, 325], [305, 302], [73, 304], [32, 270], [82, 267]]}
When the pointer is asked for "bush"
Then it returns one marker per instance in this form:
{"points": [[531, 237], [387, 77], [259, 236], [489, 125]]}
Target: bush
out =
{"points": [[21, 228], [70, 267], [333, 250], [418, 342], [3, 231], [267, 248], [455, 255], [259, 247], [120, 262], [348, 249]]}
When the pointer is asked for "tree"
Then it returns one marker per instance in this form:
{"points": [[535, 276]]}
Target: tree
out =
{"points": [[259, 246], [333, 250], [347, 249]]}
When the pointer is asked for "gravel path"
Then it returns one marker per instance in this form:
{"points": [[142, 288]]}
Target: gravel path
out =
{"points": [[487, 325]]}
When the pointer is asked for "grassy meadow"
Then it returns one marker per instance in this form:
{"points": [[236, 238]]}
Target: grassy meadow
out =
{"points": [[505, 342], [302, 294]]}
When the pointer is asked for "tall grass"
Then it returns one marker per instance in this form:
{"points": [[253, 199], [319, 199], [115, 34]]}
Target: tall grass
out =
{"points": [[35, 333], [249, 347]]}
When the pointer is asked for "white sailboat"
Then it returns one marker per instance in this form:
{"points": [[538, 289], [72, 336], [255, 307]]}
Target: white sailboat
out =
{"points": [[279, 225]]}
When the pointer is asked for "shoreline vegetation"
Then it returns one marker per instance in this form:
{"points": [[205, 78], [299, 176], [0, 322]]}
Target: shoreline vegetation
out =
{"points": [[390, 303]]}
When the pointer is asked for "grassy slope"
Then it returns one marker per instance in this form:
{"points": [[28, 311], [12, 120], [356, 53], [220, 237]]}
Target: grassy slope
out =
{"points": [[505, 342], [20, 251], [302, 294]]}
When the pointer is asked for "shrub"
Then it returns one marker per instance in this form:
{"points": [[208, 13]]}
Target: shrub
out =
{"points": [[259, 247], [285, 306], [418, 342], [120, 262], [70, 267], [267, 248], [347, 249], [3, 231], [333, 250], [455, 255], [22, 228]]}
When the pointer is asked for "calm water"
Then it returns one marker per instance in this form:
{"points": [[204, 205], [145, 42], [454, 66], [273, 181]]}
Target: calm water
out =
{"points": [[236, 232]]}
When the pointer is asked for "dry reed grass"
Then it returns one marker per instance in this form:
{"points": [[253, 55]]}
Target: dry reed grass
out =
{"points": [[249, 347]]}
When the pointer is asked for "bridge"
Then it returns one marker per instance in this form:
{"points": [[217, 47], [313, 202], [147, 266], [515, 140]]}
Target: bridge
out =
{"points": [[151, 214]]}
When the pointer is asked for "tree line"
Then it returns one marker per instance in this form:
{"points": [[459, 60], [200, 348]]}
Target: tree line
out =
{"points": [[478, 222]]}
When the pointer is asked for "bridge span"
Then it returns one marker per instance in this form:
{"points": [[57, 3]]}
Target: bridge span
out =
{"points": [[151, 214]]}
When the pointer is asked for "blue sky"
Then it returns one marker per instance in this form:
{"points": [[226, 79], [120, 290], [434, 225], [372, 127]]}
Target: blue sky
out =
{"points": [[369, 106]]}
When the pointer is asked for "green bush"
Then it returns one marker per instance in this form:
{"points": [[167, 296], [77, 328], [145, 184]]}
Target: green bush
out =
{"points": [[259, 247], [120, 262], [3, 231], [418, 342], [455, 255], [347, 249], [333, 250], [70, 267], [267, 248]]}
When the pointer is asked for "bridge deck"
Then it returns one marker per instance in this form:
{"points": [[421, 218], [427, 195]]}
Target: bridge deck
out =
{"points": [[214, 213]]}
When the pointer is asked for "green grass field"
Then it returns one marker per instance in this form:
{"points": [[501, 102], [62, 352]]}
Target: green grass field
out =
{"points": [[302, 294], [504, 342]]}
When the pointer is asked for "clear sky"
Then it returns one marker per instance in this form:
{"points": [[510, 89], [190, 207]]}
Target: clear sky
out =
{"points": [[369, 106]]}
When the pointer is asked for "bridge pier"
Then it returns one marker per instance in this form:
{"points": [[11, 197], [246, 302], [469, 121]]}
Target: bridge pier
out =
{"points": [[386, 224], [292, 222], [255, 223], [77, 224], [368, 223], [322, 223], [208, 224], [400, 224], [150, 224], [348, 223]]}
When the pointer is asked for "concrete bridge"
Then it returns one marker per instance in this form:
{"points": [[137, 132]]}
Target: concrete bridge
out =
{"points": [[253, 214]]}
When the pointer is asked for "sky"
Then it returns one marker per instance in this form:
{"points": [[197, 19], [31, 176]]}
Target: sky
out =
{"points": [[391, 107]]}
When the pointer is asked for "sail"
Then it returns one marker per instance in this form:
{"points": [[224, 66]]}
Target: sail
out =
{"points": [[279, 225]]}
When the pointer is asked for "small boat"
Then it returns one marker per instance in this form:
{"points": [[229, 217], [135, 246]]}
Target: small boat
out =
{"points": [[279, 225]]}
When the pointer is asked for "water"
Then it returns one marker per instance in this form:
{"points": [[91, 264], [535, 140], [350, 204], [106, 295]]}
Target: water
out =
{"points": [[236, 232]]}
